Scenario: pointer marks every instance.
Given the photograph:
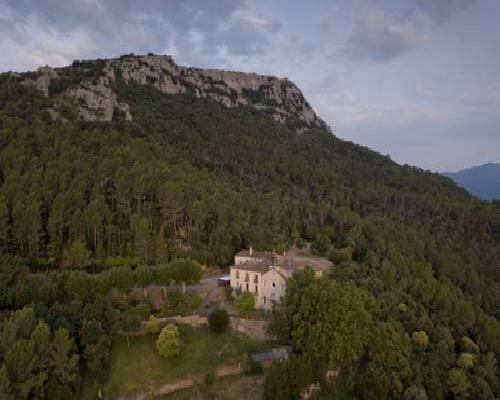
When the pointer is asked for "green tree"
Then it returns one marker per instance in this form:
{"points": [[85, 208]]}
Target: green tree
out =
{"points": [[142, 235], [5, 386], [76, 256], [466, 360], [218, 320], [245, 303], [468, 345], [388, 368], [415, 392], [458, 382], [185, 271], [144, 276], [169, 343], [4, 226], [288, 379], [321, 245], [152, 326], [420, 338], [64, 365], [326, 318]]}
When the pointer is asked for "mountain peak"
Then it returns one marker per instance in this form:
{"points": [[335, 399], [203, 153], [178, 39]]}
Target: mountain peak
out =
{"points": [[278, 98], [481, 180]]}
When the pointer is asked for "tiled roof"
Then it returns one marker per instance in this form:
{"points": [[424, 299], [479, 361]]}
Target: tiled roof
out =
{"points": [[255, 254], [252, 266]]}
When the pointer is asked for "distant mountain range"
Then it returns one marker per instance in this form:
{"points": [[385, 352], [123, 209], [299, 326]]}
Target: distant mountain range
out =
{"points": [[482, 181]]}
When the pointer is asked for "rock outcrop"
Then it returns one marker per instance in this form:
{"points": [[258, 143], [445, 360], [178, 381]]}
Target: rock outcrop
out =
{"points": [[96, 100], [42, 80], [278, 98]]}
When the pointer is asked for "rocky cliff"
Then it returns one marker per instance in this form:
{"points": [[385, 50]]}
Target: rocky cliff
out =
{"points": [[89, 85]]}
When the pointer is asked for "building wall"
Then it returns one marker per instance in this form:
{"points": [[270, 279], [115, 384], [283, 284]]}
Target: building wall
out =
{"points": [[273, 288], [268, 290], [239, 281]]}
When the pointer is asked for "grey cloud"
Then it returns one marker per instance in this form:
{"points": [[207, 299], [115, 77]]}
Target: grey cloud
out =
{"points": [[246, 34], [378, 37], [438, 11], [381, 36], [111, 26]]}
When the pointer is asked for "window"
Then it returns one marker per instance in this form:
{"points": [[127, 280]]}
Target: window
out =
{"points": [[274, 285], [247, 278], [247, 287], [237, 274], [256, 279], [264, 300], [256, 290]]}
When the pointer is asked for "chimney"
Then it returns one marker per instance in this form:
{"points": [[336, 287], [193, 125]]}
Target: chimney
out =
{"points": [[274, 260], [250, 251]]}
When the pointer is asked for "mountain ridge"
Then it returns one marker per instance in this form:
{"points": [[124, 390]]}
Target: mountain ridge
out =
{"points": [[95, 97], [481, 180]]}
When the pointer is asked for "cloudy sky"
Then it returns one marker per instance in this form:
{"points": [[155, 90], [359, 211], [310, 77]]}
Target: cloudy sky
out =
{"points": [[416, 79]]}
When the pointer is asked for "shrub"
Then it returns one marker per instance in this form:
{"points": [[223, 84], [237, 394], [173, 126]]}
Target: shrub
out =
{"points": [[420, 338], [300, 243], [178, 304], [209, 379], [169, 343], [218, 321], [152, 326], [76, 256], [466, 360], [245, 303]]}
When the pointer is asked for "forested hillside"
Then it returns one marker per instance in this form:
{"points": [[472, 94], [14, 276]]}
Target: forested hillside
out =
{"points": [[189, 177]]}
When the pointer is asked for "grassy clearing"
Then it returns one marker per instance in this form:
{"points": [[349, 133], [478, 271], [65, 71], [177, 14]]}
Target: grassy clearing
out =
{"points": [[139, 367]]}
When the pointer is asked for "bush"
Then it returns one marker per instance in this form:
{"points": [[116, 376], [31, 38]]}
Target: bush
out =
{"points": [[321, 245], [169, 343], [420, 338], [218, 321], [338, 256], [152, 327], [178, 304], [254, 368], [288, 379], [76, 256], [193, 302], [245, 303], [209, 379], [301, 243]]}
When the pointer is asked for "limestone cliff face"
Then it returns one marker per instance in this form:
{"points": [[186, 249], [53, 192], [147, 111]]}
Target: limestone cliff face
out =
{"points": [[97, 101], [42, 81], [278, 98]]}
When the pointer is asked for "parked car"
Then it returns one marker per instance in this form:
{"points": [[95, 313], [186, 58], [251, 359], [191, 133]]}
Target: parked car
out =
{"points": [[224, 281]]}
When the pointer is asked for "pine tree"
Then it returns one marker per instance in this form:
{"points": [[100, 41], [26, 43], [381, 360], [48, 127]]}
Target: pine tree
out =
{"points": [[5, 386]]}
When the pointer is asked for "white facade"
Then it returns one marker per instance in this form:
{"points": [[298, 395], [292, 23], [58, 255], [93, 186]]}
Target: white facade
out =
{"points": [[266, 284]]}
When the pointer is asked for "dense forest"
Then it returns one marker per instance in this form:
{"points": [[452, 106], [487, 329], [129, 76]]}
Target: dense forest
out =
{"points": [[410, 309]]}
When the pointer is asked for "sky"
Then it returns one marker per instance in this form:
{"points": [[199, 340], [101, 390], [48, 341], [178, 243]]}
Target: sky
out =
{"points": [[418, 80]]}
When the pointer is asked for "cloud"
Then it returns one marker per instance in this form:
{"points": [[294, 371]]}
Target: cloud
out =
{"points": [[245, 33], [378, 37], [437, 11], [386, 30], [102, 28]]}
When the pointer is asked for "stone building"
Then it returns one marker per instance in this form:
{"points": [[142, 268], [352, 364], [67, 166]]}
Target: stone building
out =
{"points": [[264, 274]]}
